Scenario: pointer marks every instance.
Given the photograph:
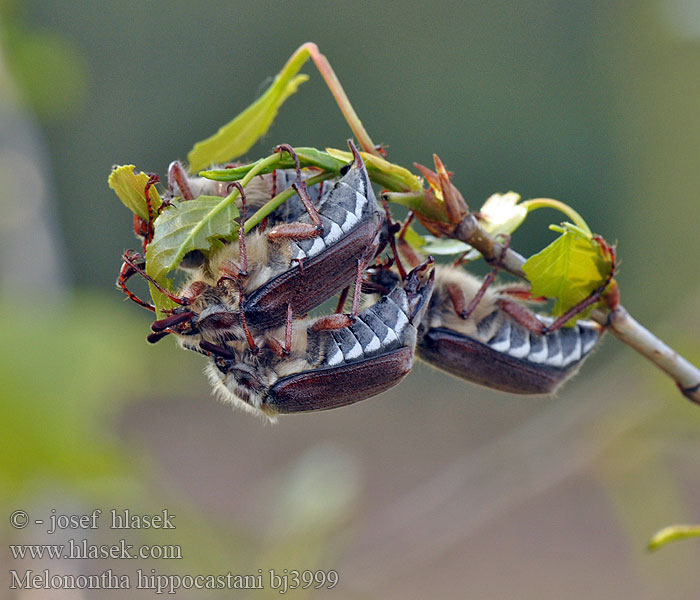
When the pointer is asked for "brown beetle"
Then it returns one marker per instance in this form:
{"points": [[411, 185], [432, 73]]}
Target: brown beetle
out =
{"points": [[500, 344], [274, 276], [323, 368]]}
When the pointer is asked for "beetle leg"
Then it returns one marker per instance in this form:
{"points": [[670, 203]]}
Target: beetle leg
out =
{"points": [[144, 227], [242, 252], [288, 331], [275, 345], [488, 280], [244, 322], [294, 231], [460, 259], [152, 180], [133, 263], [132, 258], [522, 293], [406, 225], [361, 264], [125, 273], [332, 322], [177, 176], [459, 302], [231, 271], [340, 320], [392, 228], [341, 300], [300, 262], [612, 297], [298, 231], [408, 253], [522, 315]]}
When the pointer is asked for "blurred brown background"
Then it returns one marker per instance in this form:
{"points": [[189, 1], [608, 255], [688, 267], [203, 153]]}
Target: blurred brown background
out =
{"points": [[436, 488]]}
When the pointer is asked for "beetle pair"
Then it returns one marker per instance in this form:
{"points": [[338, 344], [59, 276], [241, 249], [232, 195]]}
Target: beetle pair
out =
{"points": [[245, 298]]}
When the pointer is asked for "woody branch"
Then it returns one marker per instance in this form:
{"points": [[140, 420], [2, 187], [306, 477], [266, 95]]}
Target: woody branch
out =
{"points": [[618, 320]]}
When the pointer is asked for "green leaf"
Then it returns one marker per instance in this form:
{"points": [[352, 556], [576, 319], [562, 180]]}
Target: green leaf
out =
{"points": [[183, 227], [444, 246], [130, 187], [236, 138], [414, 239], [193, 225], [280, 199], [569, 269], [672, 534]]}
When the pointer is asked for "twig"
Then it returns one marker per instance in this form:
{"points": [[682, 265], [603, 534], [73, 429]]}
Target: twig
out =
{"points": [[341, 98], [470, 232], [625, 328], [618, 321]]}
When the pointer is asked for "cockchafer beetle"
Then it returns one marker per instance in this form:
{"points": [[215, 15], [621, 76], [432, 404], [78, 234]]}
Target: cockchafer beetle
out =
{"points": [[274, 276], [486, 334], [501, 344], [324, 367]]}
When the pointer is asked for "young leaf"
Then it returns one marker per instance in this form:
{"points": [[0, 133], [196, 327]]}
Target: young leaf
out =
{"points": [[183, 227], [569, 269], [443, 246], [236, 138], [413, 238], [501, 213], [130, 187]]}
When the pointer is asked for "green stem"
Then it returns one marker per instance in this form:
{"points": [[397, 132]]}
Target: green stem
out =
{"points": [[280, 199], [576, 218], [257, 168], [415, 201], [308, 157], [381, 171], [341, 98]]}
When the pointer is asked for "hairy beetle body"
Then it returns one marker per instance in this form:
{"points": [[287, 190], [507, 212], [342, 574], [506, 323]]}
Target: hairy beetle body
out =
{"points": [[284, 274], [324, 368], [494, 349], [325, 264]]}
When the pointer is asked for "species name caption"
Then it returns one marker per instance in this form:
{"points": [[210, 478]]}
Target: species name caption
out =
{"points": [[281, 580]]}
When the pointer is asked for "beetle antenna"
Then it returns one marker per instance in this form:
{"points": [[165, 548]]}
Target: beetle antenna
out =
{"points": [[242, 252]]}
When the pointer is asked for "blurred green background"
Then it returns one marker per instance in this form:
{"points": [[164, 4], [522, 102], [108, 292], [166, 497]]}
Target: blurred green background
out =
{"points": [[436, 488]]}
